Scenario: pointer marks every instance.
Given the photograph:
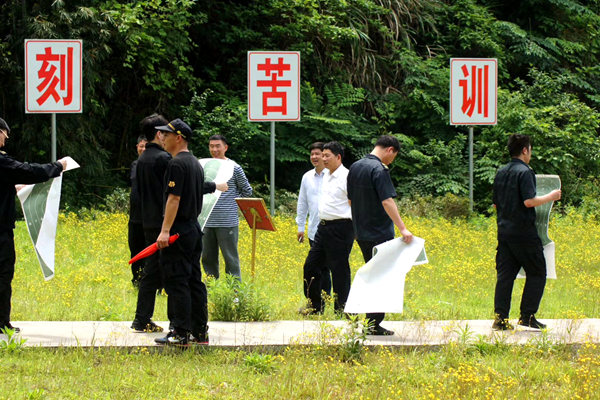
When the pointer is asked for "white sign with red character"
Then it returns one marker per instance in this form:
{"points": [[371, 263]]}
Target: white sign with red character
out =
{"points": [[273, 86], [473, 91], [53, 73]]}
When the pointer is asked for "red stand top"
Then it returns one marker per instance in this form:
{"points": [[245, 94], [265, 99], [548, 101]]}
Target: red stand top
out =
{"points": [[250, 207]]}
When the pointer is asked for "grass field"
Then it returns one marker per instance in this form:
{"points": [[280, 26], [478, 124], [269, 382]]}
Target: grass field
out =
{"points": [[452, 372], [93, 283], [93, 278]]}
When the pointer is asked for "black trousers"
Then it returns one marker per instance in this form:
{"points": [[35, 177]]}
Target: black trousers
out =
{"points": [[367, 251], [7, 272], [182, 278], [510, 257], [137, 243], [331, 248], [151, 280], [325, 274]]}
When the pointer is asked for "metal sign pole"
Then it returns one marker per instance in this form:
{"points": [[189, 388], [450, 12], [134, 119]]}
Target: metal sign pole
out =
{"points": [[471, 168], [53, 151], [272, 167]]}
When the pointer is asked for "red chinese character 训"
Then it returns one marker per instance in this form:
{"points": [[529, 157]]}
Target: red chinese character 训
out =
{"points": [[479, 90], [274, 71], [50, 80]]}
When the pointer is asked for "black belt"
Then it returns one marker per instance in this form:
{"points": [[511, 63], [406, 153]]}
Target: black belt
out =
{"points": [[334, 221]]}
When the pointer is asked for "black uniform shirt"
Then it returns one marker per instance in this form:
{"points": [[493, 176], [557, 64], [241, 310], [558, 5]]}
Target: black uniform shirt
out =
{"points": [[369, 183], [135, 201], [514, 183], [185, 178], [150, 173], [13, 172]]}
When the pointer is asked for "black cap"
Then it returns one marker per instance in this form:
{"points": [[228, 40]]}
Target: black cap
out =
{"points": [[179, 127], [4, 125]]}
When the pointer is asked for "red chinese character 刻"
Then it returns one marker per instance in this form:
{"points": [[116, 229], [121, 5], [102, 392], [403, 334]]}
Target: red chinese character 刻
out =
{"points": [[273, 71], [479, 80], [50, 81]]}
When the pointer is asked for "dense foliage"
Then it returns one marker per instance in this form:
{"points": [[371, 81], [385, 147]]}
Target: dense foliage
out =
{"points": [[368, 67]]}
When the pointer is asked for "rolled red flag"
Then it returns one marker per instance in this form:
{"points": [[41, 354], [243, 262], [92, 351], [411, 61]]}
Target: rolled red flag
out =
{"points": [[153, 248]]}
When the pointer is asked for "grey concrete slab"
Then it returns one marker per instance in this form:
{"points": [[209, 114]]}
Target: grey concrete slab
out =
{"points": [[283, 333]]}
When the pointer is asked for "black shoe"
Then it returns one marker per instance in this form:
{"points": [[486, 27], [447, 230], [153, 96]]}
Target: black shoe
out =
{"points": [[137, 326], [13, 328], [501, 324], [201, 339], [173, 339], [379, 331], [531, 322]]}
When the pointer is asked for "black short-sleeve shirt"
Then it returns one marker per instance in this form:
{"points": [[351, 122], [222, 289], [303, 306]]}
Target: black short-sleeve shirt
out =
{"points": [[369, 183], [150, 174], [514, 183], [185, 178]]}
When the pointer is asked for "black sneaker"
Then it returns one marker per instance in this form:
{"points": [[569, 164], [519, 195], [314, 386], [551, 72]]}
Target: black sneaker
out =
{"points": [[379, 331], [531, 322], [137, 326], [502, 325], [201, 339], [173, 339]]}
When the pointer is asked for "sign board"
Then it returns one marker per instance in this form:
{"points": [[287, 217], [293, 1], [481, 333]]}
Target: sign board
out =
{"points": [[473, 91], [256, 210], [53, 76], [273, 86]]}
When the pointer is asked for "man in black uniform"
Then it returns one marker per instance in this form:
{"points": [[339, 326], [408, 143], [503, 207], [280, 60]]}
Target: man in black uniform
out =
{"points": [[137, 242], [374, 213], [13, 172], [180, 262], [519, 244], [150, 170]]}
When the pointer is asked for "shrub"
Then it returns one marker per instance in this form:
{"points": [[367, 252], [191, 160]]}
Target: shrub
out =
{"points": [[232, 300]]}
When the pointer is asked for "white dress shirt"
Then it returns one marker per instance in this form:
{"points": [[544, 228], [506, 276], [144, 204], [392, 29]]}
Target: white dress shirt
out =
{"points": [[308, 201], [334, 195]]}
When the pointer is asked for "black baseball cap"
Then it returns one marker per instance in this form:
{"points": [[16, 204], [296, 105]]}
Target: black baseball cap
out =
{"points": [[4, 125], [179, 127]]}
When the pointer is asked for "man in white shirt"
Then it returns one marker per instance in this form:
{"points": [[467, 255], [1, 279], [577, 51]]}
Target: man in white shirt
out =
{"points": [[308, 203], [334, 237]]}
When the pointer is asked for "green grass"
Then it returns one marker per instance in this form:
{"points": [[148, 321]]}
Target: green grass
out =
{"points": [[454, 371], [93, 278], [93, 283]]}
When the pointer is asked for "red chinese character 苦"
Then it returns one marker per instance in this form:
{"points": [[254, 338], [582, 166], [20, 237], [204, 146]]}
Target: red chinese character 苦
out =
{"points": [[274, 71], [50, 81], [479, 90]]}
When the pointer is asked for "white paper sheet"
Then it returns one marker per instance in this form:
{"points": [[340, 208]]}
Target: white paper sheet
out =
{"points": [[379, 285], [544, 185], [40, 204], [215, 170]]}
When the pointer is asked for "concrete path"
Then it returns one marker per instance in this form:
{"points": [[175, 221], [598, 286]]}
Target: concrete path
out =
{"points": [[283, 333]]}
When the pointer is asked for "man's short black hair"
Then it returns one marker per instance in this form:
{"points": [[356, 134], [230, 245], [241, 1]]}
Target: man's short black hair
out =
{"points": [[316, 145], [516, 144], [386, 141], [148, 125], [336, 148], [218, 137], [141, 138]]}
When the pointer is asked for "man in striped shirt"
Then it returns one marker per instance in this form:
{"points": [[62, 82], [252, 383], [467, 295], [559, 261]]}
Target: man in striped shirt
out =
{"points": [[221, 229]]}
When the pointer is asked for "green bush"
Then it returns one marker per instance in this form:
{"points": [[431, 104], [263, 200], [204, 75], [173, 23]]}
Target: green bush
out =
{"points": [[232, 300]]}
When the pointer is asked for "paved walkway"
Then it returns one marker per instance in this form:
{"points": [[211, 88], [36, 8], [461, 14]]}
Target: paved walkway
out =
{"points": [[283, 333]]}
